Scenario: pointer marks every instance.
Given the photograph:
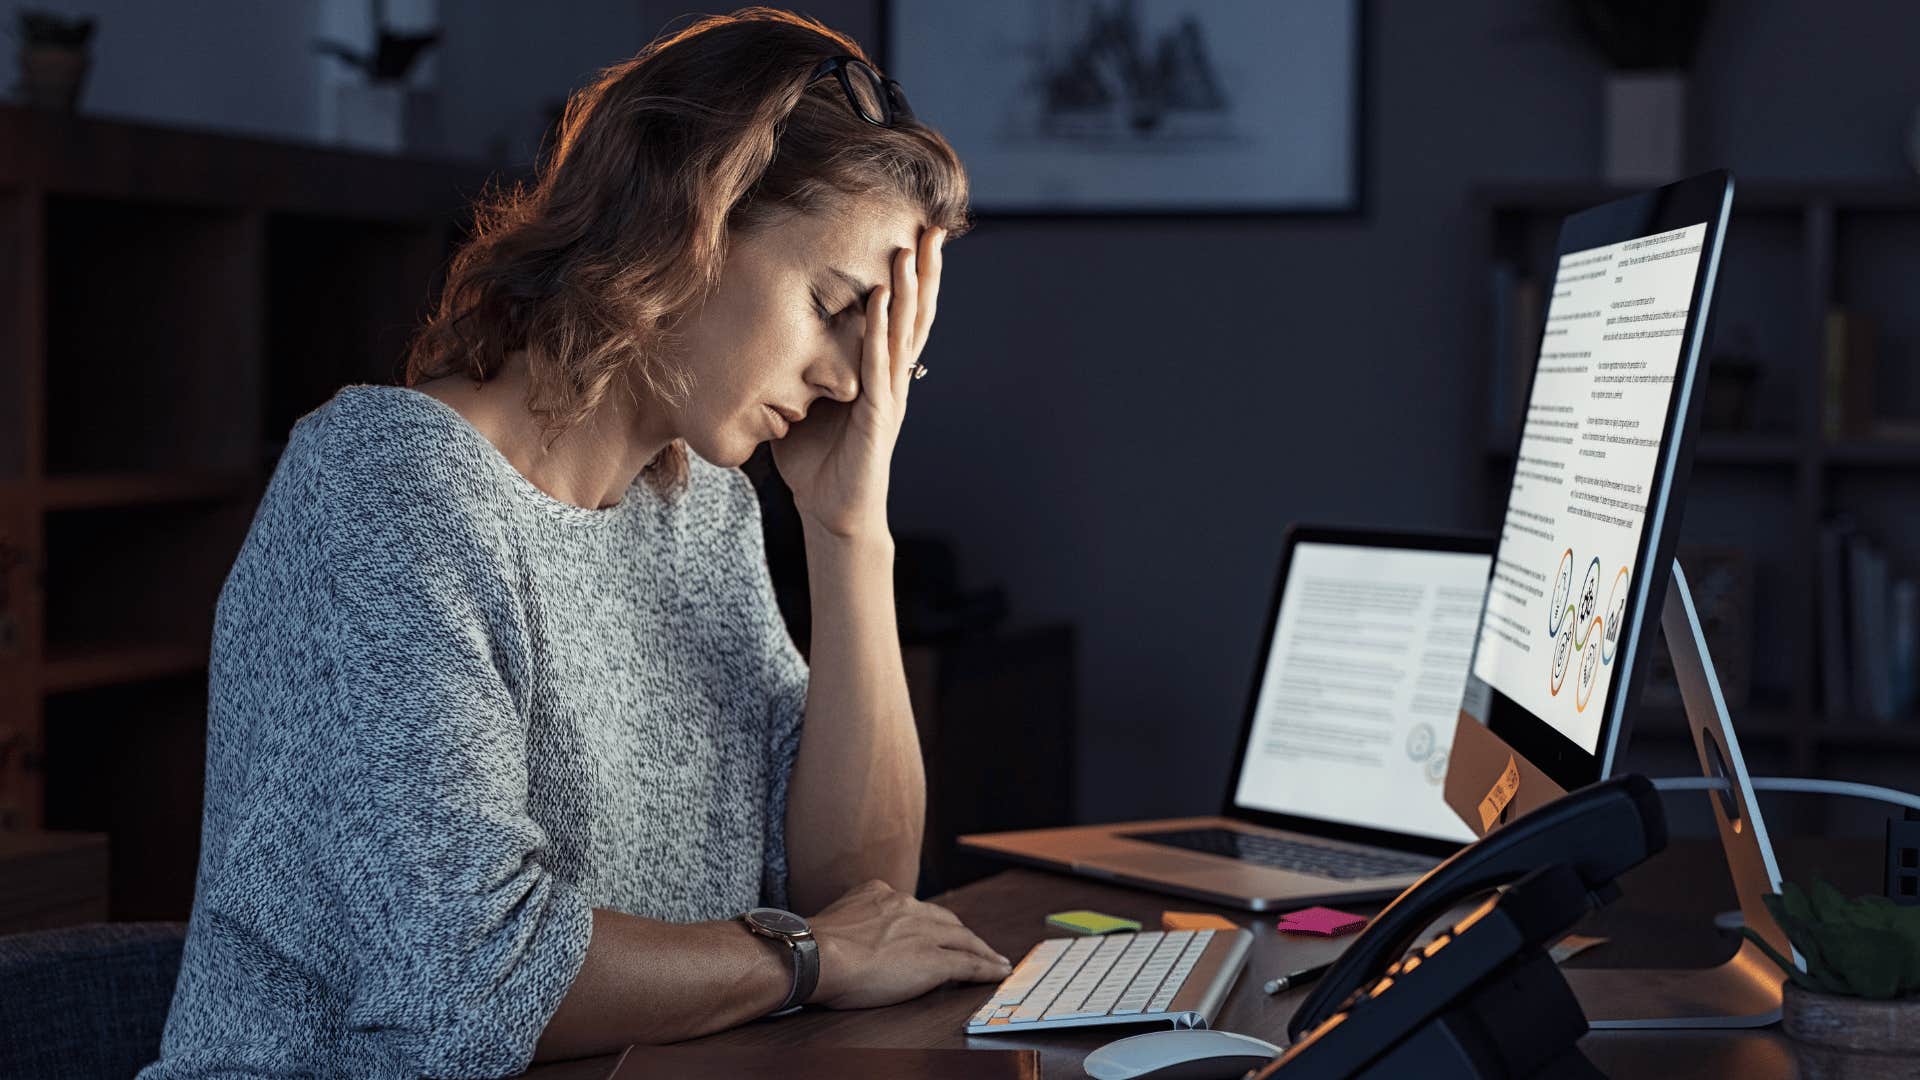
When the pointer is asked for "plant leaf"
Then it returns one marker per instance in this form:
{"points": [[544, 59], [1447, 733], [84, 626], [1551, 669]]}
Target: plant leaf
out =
{"points": [[1828, 905], [1870, 962], [1794, 902]]}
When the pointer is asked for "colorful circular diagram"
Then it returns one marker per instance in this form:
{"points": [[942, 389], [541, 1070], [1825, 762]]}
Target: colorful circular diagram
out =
{"points": [[1589, 595], [1562, 654], [1616, 612], [1589, 670], [1562, 585]]}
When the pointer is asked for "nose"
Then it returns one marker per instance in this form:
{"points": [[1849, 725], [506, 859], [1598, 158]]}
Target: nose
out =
{"points": [[837, 376]]}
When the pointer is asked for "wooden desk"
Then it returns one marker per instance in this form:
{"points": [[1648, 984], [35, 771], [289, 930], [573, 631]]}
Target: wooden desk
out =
{"points": [[1663, 918]]}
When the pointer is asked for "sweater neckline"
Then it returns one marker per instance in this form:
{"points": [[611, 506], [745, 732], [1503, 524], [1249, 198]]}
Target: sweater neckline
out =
{"points": [[528, 491]]}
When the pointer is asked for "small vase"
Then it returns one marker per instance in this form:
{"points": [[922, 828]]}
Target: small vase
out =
{"points": [[388, 117], [1645, 127], [1853, 1038], [51, 76]]}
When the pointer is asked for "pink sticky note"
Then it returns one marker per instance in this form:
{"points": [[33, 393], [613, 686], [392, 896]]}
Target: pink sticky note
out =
{"points": [[1324, 921]]}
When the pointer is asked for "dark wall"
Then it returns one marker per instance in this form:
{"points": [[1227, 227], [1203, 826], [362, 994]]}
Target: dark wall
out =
{"points": [[1123, 416]]}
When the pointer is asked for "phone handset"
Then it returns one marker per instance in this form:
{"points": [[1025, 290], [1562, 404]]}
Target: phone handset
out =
{"points": [[1598, 833]]}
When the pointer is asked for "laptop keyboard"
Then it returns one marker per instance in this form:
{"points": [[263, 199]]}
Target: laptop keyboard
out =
{"points": [[1341, 864]]}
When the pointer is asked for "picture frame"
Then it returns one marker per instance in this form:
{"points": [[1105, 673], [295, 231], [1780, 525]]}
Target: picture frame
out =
{"points": [[1141, 108]]}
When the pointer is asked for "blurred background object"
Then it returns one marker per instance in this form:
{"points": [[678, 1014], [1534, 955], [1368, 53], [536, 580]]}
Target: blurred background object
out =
{"points": [[384, 113], [53, 59], [1648, 45]]}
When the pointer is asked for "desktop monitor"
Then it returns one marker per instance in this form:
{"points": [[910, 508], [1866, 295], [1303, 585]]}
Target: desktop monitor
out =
{"points": [[1594, 504]]}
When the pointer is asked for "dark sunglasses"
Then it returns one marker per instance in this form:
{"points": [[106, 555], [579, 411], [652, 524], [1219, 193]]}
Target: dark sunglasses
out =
{"points": [[877, 100]]}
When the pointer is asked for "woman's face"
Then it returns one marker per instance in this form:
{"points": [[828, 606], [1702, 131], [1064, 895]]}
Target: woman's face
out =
{"points": [[783, 328]]}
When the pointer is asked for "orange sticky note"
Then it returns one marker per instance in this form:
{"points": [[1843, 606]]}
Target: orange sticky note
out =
{"points": [[1503, 792], [1194, 920]]}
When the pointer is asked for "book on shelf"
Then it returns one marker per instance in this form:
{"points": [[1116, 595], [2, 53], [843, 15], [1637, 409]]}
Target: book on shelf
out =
{"points": [[1836, 675], [1903, 637], [1848, 375], [1869, 629]]}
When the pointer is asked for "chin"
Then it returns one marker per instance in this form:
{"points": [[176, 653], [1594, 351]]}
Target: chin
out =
{"points": [[730, 451]]}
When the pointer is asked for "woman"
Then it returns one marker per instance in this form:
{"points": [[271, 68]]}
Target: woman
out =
{"points": [[506, 733]]}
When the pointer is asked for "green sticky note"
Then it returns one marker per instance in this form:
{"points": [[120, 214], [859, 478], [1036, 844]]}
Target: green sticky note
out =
{"points": [[1090, 922]]}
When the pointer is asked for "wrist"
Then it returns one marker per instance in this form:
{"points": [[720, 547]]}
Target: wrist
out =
{"points": [[825, 987], [867, 536]]}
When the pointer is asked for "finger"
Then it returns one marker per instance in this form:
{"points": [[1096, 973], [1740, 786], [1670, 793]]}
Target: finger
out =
{"points": [[906, 301], [971, 967], [932, 259], [875, 356]]}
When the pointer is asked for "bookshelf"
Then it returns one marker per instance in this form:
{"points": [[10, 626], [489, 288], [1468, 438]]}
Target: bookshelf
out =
{"points": [[170, 302], [1770, 474]]}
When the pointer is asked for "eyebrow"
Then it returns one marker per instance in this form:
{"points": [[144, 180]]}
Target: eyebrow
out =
{"points": [[860, 291]]}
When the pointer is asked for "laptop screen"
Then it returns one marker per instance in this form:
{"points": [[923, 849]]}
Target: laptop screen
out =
{"points": [[1361, 688]]}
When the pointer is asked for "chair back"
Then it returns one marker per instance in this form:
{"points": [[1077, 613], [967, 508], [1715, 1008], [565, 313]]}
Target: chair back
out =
{"points": [[86, 1001]]}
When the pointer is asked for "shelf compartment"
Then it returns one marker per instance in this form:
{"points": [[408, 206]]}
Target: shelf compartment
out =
{"points": [[130, 761], [123, 581], [19, 347], [152, 337], [1873, 276], [329, 326]]}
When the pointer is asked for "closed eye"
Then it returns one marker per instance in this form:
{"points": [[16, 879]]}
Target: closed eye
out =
{"points": [[820, 309]]}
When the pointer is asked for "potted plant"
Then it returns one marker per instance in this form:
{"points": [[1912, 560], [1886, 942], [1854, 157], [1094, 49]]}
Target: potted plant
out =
{"points": [[53, 59], [1855, 1010], [384, 113], [1648, 44]]}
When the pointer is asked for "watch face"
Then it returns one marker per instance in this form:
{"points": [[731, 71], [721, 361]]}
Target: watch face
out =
{"points": [[780, 922]]}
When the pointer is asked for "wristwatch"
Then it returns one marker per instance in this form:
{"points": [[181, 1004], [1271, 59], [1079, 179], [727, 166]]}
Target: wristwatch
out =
{"points": [[787, 927]]}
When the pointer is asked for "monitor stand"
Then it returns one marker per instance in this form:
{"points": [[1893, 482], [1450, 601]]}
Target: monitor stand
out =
{"points": [[1745, 990]]}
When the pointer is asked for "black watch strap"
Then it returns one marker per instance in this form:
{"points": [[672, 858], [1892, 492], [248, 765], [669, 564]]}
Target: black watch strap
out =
{"points": [[806, 973]]}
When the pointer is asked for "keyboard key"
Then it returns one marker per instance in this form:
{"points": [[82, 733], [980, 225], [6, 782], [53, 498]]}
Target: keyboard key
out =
{"points": [[1088, 977], [1108, 992], [1042, 995], [1013, 989], [1165, 954]]}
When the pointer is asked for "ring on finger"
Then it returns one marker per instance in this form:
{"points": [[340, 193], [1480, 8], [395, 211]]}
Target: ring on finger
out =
{"points": [[919, 371]]}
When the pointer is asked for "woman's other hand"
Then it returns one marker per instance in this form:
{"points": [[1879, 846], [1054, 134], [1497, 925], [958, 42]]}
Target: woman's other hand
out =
{"points": [[837, 460], [879, 946]]}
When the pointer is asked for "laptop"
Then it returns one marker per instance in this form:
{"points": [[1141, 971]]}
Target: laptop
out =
{"points": [[1336, 792]]}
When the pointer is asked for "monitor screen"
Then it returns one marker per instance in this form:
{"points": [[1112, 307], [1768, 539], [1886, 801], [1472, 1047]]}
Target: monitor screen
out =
{"points": [[1361, 685], [1595, 424]]}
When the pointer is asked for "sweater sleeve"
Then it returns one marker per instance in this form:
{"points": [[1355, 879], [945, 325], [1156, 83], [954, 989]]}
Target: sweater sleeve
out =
{"points": [[464, 942]]}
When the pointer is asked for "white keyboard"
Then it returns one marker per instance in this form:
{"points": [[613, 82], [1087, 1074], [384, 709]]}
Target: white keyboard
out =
{"points": [[1180, 976]]}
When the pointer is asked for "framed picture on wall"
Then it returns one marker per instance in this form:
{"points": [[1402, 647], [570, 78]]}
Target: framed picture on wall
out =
{"points": [[1102, 107]]}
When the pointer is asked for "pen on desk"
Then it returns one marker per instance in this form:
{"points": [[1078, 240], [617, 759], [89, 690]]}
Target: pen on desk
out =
{"points": [[1297, 978]]}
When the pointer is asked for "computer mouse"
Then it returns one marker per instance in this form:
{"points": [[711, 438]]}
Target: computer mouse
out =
{"points": [[1180, 1054]]}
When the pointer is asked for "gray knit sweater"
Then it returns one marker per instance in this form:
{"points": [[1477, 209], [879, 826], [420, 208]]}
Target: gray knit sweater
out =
{"points": [[451, 715]]}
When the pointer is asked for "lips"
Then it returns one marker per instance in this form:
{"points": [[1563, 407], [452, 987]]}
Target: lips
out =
{"points": [[778, 421]]}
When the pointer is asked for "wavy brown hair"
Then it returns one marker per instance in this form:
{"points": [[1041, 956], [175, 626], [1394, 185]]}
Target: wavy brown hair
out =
{"points": [[706, 132]]}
